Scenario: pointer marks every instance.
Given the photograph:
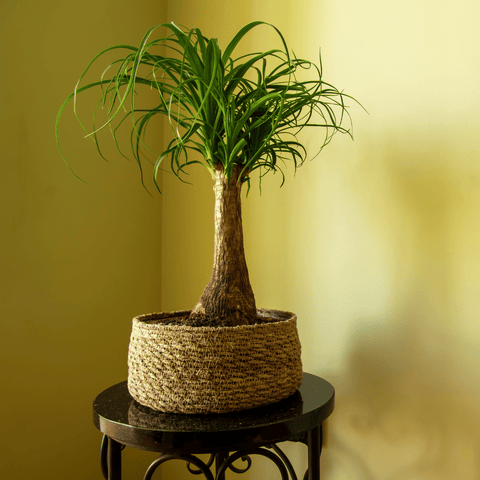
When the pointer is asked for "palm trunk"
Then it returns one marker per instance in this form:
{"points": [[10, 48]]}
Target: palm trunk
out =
{"points": [[228, 298]]}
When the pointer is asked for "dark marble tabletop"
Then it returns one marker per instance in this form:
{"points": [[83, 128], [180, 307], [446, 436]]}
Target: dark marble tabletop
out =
{"points": [[117, 415]]}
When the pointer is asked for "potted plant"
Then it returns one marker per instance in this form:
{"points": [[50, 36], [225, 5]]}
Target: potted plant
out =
{"points": [[239, 116]]}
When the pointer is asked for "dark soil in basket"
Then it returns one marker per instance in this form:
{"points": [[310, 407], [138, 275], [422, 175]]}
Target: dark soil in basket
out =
{"points": [[208, 322]]}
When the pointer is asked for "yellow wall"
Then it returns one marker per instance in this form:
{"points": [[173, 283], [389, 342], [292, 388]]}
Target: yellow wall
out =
{"points": [[77, 262], [374, 244]]}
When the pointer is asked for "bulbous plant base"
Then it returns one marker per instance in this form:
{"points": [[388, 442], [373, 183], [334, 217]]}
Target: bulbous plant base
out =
{"points": [[182, 369]]}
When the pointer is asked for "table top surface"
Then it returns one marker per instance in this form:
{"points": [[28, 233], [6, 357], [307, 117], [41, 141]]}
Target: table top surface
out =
{"points": [[118, 415]]}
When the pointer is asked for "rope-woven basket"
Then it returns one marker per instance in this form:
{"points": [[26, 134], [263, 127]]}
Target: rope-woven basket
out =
{"points": [[184, 369]]}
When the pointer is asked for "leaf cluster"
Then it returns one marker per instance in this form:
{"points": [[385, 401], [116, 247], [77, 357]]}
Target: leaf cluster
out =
{"points": [[228, 111]]}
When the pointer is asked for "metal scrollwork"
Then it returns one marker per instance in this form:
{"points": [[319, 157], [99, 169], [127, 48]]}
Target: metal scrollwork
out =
{"points": [[235, 469], [190, 459], [223, 461], [246, 455], [286, 461], [199, 471], [103, 457]]}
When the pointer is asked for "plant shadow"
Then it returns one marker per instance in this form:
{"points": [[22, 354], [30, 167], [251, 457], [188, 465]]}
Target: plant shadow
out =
{"points": [[407, 394]]}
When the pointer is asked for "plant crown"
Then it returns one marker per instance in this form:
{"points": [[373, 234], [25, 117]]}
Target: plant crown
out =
{"points": [[244, 111]]}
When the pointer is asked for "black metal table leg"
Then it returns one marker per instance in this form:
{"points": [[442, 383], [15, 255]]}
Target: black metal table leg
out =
{"points": [[219, 459], [114, 460], [314, 451]]}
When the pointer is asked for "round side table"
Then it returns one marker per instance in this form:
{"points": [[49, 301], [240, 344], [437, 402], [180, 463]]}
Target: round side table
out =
{"points": [[226, 437]]}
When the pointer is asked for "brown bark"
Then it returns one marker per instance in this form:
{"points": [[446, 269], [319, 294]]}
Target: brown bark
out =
{"points": [[228, 298]]}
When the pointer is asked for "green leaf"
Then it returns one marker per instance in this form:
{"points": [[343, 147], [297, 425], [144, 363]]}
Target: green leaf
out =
{"points": [[221, 109]]}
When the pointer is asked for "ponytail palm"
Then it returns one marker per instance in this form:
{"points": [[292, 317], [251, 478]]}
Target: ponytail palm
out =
{"points": [[233, 115]]}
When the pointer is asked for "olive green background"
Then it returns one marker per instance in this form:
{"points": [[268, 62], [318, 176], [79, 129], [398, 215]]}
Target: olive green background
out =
{"points": [[78, 261], [374, 244]]}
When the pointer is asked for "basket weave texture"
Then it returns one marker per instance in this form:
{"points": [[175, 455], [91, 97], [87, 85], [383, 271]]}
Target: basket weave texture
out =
{"points": [[183, 369]]}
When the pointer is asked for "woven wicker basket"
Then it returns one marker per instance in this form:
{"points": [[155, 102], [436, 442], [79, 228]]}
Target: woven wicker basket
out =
{"points": [[182, 369]]}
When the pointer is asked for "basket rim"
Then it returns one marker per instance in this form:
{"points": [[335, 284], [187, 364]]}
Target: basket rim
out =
{"points": [[154, 320]]}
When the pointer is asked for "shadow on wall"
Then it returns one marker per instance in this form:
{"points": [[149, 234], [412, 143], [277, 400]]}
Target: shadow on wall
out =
{"points": [[407, 406], [407, 398]]}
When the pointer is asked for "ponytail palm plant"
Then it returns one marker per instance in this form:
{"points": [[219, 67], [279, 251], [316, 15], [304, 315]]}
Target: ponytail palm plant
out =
{"points": [[232, 114]]}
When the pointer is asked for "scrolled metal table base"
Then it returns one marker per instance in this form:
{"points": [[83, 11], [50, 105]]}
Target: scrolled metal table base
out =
{"points": [[110, 460]]}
